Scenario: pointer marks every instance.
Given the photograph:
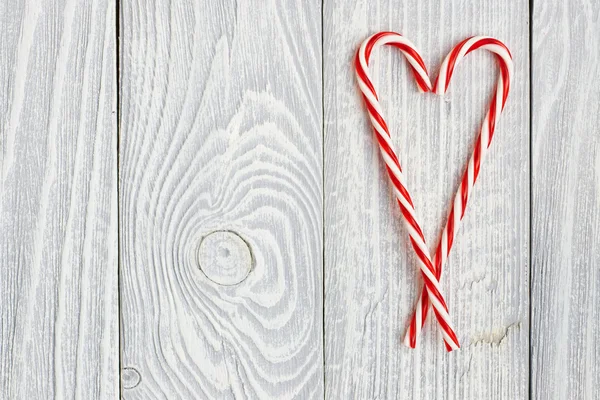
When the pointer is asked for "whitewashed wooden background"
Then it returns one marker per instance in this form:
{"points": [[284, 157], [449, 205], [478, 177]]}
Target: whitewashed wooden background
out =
{"points": [[192, 204]]}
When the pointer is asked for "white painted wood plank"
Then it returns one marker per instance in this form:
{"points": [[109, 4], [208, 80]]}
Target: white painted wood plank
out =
{"points": [[371, 279], [566, 200], [58, 200], [221, 151]]}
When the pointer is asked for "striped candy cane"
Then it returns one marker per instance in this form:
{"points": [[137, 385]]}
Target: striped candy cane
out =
{"points": [[457, 211], [394, 170]]}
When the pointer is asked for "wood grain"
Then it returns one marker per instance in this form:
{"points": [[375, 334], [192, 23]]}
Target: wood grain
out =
{"points": [[566, 200], [58, 200], [221, 173], [221, 131], [371, 278]]}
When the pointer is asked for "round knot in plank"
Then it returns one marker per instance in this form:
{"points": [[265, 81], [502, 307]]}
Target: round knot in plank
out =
{"points": [[130, 377], [225, 257]]}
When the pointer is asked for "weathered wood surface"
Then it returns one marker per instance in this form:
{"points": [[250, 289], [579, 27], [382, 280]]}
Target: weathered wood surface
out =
{"points": [[566, 200], [221, 132], [58, 200], [229, 142], [371, 279]]}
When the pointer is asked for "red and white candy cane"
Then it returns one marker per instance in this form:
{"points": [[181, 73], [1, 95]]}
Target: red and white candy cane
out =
{"points": [[457, 210], [394, 170]]}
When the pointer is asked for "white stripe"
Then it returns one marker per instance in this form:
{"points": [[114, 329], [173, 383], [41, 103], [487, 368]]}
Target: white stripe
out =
{"points": [[391, 165], [419, 317], [439, 308], [471, 173], [499, 96], [458, 207], [444, 247], [441, 79], [448, 339], [485, 134], [380, 131], [370, 97]]}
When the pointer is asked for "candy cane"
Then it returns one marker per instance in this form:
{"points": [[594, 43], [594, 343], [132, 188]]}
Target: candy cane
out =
{"points": [[394, 170], [457, 211]]}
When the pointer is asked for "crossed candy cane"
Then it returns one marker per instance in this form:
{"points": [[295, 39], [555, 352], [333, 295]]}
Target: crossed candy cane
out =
{"points": [[432, 271]]}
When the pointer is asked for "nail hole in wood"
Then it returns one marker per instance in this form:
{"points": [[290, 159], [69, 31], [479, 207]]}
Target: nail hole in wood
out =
{"points": [[225, 258]]}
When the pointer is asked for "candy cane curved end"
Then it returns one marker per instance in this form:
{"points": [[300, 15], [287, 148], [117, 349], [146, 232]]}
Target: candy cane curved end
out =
{"points": [[408, 49], [457, 54]]}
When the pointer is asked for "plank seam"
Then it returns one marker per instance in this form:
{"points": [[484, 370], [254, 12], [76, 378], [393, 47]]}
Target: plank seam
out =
{"points": [[531, 5], [323, 193], [118, 147]]}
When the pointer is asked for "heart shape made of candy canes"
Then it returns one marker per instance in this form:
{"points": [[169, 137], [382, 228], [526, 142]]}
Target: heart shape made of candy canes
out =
{"points": [[431, 269]]}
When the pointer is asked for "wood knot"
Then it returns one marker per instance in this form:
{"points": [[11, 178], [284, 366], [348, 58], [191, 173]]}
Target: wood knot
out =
{"points": [[130, 377], [225, 258]]}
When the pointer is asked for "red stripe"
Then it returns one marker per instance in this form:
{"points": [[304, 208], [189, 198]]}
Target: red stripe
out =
{"points": [[386, 148], [505, 80], [485, 41], [435, 84], [492, 119], [399, 186], [413, 333], [424, 308], [362, 74], [464, 190], [446, 328], [452, 61], [410, 220], [443, 323], [434, 292], [412, 52], [363, 77], [438, 261], [420, 81], [377, 117], [423, 258], [477, 158], [373, 40], [450, 228]]}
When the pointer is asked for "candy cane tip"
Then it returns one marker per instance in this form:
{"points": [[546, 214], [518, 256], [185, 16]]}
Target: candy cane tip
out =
{"points": [[438, 89], [451, 346], [406, 342]]}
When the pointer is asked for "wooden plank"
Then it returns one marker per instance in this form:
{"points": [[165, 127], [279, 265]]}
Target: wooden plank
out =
{"points": [[371, 280], [566, 200], [221, 172], [58, 200]]}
